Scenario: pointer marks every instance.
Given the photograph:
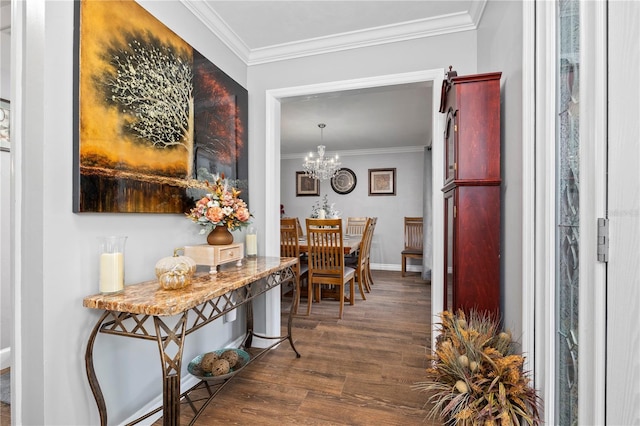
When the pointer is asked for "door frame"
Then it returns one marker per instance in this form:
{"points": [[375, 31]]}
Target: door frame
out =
{"points": [[272, 163], [539, 253]]}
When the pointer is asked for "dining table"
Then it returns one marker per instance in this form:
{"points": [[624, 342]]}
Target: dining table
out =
{"points": [[351, 243]]}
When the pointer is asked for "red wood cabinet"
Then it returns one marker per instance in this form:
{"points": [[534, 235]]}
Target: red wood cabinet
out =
{"points": [[472, 192]]}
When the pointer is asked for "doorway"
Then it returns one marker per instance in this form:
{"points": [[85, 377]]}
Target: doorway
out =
{"points": [[273, 100]]}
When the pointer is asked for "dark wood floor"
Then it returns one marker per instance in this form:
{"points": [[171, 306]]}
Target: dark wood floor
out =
{"points": [[354, 371]]}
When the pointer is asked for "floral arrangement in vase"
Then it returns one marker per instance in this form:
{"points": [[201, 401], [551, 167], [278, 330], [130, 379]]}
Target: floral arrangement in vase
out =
{"points": [[221, 206], [475, 377], [325, 210]]}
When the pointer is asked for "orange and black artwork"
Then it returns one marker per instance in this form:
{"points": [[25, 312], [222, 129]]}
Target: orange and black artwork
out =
{"points": [[153, 117]]}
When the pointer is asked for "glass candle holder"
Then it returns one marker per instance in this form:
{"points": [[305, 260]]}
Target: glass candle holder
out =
{"points": [[112, 264], [251, 242]]}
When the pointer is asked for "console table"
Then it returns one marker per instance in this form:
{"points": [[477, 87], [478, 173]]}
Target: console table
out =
{"points": [[138, 312]]}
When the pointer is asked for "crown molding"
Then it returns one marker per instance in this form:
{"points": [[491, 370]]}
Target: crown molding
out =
{"points": [[212, 20], [404, 31], [476, 11], [410, 30], [356, 152]]}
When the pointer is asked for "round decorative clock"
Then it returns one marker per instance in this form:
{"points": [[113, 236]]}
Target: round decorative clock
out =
{"points": [[344, 181]]}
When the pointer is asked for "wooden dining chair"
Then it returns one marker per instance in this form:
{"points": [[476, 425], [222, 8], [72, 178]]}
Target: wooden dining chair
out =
{"points": [[300, 229], [290, 247], [412, 241], [355, 225], [326, 261], [297, 222], [367, 260], [359, 263]]}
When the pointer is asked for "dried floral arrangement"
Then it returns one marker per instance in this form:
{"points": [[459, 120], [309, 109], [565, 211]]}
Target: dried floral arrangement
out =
{"points": [[221, 206], [475, 377]]}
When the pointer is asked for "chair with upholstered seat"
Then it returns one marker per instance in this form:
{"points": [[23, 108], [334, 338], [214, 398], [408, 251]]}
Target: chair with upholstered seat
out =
{"points": [[326, 261], [412, 241], [355, 226], [290, 247]]}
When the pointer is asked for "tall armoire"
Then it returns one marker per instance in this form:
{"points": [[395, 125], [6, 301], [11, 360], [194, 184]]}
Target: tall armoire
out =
{"points": [[472, 192]]}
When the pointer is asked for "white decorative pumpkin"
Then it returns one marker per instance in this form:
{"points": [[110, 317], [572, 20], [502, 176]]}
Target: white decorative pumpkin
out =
{"points": [[176, 271]]}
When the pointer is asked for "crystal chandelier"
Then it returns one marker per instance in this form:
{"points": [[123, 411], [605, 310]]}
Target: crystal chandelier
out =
{"points": [[321, 167]]}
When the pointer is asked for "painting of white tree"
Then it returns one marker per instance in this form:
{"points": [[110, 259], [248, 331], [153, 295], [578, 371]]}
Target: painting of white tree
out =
{"points": [[155, 118]]}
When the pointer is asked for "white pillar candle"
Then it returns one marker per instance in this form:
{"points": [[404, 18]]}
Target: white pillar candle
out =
{"points": [[111, 272], [251, 241]]}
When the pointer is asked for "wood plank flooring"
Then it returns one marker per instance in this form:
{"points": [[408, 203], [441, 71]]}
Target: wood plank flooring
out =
{"points": [[354, 371]]}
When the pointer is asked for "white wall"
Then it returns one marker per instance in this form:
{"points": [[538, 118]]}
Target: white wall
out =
{"points": [[6, 322], [500, 49], [5, 47], [5, 59], [58, 264], [388, 239], [6, 314]]}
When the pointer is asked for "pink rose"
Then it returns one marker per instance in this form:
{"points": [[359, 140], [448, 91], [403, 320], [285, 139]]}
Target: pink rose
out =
{"points": [[242, 214], [215, 214], [226, 199], [202, 202]]}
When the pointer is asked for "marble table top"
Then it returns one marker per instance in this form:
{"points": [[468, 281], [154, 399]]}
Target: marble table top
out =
{"points": [[150, 299]]}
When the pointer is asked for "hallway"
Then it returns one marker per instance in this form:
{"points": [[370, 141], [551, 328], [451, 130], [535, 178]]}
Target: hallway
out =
{"points": [[354, 371]]}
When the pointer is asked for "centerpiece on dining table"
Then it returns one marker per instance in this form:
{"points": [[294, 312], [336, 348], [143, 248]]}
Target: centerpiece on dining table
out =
{"points": [[324, 211], [220, 211]]}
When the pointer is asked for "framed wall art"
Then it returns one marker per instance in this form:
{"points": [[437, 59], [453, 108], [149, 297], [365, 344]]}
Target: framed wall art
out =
{"points": [[382, 181], [153, 118], [306, 186], [5, 131]]}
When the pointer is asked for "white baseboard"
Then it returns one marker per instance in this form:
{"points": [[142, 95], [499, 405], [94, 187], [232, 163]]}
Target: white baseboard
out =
{"points": [[186, 382], [5, 358], [395, 267]]}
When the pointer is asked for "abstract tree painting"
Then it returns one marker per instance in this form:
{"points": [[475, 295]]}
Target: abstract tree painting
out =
{"points": [[154, 117]]}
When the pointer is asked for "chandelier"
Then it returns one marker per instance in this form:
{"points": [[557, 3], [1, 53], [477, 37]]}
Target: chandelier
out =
{"points": [[321, 167]]}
